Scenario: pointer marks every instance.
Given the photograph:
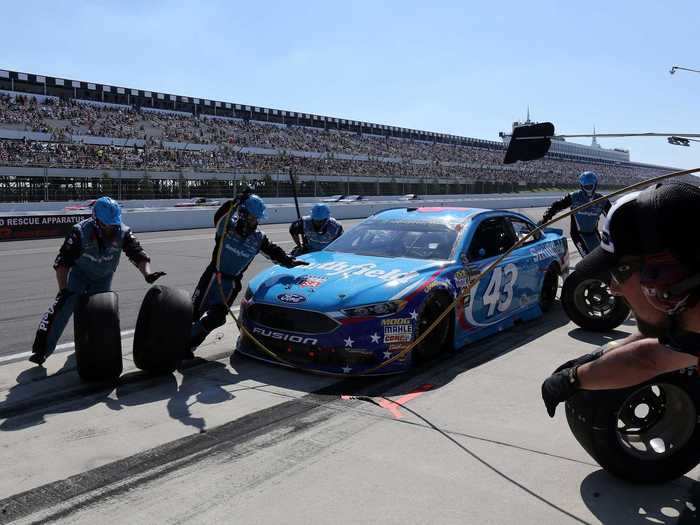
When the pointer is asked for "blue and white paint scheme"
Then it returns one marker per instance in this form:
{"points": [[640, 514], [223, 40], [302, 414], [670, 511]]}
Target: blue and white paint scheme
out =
{"points": [[359, 301]]}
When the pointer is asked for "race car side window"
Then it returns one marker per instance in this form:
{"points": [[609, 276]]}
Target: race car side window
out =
{"points": [[492, 237], [521, 228]]}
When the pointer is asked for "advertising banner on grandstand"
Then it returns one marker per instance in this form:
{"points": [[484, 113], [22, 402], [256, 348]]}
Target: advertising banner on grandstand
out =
{"points": [[16, 227]]}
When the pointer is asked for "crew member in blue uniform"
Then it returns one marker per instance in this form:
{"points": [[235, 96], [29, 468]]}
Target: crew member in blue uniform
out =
{"points": [[584, 224], [86, 264], [237, 244], [315, 232]]}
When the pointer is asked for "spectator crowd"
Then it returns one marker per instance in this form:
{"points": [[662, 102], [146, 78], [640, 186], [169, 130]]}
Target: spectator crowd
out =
{"points": [[259, 147]]}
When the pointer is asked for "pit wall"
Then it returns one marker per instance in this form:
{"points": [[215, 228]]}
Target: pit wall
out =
{"points": [[149, 216], [159, 219]]}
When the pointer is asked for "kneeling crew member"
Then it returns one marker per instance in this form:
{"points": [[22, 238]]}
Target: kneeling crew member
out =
{"points": [[86, 264], [652, 252], [237, 244], [315, 232]]}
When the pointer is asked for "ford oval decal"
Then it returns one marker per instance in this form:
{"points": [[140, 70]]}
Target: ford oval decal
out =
{"points": [[291, 298]]}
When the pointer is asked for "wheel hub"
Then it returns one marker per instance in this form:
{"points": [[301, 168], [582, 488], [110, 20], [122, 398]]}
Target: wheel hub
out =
{"points": [[655, 421], [593, 298]]}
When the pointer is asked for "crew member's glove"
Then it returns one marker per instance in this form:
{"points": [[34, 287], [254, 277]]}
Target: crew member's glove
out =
{"points": [[585, 358], [297, 251], [297, 262], [63, 294], [559, 387], [154, 276]]}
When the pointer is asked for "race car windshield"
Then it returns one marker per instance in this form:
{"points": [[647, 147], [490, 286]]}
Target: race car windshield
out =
{"points": [[397, 239]]}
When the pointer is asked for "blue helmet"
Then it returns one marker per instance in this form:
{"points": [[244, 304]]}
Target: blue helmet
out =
{"points": [[588, 181], [107, 211], [320, 212], [255, 206]]}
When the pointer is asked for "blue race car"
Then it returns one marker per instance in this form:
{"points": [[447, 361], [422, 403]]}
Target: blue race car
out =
{"points": [[365, 297]]}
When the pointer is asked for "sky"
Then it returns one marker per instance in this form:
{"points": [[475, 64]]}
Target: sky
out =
{"points": [[462, 67]]}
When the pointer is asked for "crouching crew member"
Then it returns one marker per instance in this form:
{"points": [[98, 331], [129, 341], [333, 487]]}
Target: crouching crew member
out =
{"points": [[651, 250], [315, 232], [238, 241], [85, 264]]}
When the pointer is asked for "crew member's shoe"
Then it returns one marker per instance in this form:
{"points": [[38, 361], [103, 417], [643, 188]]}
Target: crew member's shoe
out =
{"points": [[37, 358]]}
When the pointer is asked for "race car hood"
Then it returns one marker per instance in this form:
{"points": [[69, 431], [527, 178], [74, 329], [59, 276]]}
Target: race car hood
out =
{"points": [[334, 280]]}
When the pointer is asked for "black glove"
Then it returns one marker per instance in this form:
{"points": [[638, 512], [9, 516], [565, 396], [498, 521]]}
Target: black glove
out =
{"points": [[63, 294], [559, 387], [297, 251], [585, 358], [154, 276]]}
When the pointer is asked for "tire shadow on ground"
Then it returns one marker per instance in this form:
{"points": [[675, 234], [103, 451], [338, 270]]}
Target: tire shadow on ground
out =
{"points": [[614, 501], [21, 410]]}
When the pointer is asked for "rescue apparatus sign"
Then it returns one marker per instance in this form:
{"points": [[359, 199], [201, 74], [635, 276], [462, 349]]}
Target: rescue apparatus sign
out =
{"points": [[15, 227]]}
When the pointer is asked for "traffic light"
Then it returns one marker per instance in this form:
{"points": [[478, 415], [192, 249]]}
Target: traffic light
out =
{"points": [[678, 141]]}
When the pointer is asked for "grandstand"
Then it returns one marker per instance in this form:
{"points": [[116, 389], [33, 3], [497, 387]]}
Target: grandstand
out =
{"points": [[64, 139]]}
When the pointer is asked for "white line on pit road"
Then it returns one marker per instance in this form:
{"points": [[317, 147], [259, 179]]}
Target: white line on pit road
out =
{"points": [[67, 346]]}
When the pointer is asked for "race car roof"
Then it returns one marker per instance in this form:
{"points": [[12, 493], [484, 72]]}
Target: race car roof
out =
{"points": [[428, 214]]}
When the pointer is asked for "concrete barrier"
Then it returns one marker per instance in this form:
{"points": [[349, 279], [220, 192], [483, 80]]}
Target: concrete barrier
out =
{"points": [[158, 219], [145, 219]]}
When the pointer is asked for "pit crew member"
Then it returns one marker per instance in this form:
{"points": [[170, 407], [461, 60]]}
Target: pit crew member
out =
{"points": [[85, 264], [315, 232], [584, 224], [653, 257], [238, 241]]}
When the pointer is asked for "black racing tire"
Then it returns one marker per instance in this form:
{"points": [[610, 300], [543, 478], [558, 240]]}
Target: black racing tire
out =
{"points": [[98, 340], [588, 303], [440, 338], [163, 328], [550, 286], [644, 434]]}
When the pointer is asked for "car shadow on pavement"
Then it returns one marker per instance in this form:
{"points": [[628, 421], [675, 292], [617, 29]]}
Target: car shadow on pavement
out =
{"points": [[208, 381], [614, 501], [437, 373]]}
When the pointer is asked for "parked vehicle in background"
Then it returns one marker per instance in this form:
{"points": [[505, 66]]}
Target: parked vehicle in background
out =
{"points": [[199, 201]]}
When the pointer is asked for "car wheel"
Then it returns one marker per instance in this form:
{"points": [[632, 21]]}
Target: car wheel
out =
{"points": [[588, 303], [98, 340], [163, 328], [441, 336], [644, 434], [550, 285]]}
